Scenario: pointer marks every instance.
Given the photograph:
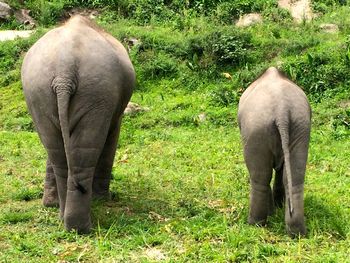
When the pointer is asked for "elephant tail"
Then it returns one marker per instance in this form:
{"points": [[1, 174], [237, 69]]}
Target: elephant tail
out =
{"points": [[64, 88], [283, 129]]}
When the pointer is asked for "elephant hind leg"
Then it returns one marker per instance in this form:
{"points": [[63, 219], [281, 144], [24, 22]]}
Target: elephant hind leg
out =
{"points": [[261, 205], [102, 176], [295, 222], [278, 188], [259, 163], [50, 198]]}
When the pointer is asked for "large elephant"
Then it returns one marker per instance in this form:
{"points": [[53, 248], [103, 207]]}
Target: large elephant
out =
{"points": [[274, 118], [77, 80]]}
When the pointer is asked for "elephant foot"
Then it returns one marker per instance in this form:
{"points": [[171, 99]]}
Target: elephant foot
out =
{"points": [[77, 213], [73, 225], [50, 198], [261, 204], [296, 229], [295, 221], [257, 221]]}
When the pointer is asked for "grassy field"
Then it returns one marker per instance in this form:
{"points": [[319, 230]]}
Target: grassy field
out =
{"points": [[180, 186]]}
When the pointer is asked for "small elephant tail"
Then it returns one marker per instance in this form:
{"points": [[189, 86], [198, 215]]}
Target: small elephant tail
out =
{"points": [[64, 88], [283, 128]]}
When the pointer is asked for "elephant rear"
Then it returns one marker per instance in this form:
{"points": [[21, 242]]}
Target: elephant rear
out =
{"points": [[77, 80], [274, 119]]}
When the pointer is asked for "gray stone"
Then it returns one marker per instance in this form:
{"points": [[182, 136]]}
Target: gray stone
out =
{"points": [[133, 108], [329, 28], [5, 11], [249, 19], [202, 117], [300, 10], [23, 17]]}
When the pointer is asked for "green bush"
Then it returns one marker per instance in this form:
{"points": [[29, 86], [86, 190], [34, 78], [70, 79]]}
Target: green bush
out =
{"points": [[322, 70], [341, 124], [46, 12], [96, 3], [228, 10], [276, 14], [231, 48], [224, 95], [322, 6], [158, 65]]}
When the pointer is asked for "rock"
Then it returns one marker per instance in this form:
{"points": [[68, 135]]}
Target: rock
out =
{"points": [[23, 17], [133, 108], [13, 34], [202, 117], [329, 28], [249, 19], [5, 11], [300, 10], [227, 75], [132, 42]]}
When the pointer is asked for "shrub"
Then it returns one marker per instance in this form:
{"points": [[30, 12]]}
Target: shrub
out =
{"points": [[341, 125], [323, 5], [278, 15], [46, 12], [231, 48], [227, 11], [224, 95], [157, 65], [320, 70]]}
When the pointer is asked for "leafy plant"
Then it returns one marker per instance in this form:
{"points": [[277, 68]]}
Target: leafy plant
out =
{"points": [[323, 5], [231, 49], [158, 65], [224, 96], [341, 124]]}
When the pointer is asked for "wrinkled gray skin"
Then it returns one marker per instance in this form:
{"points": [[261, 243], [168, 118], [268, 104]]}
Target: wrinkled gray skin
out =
{"points": [[77, 81], [274, 118]]}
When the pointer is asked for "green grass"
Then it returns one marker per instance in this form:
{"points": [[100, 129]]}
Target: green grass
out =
{"points": [[180, 186], [181, 194]]}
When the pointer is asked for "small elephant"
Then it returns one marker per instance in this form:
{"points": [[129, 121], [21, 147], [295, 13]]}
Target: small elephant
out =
{"points": [[274, 118], [77, 81]]}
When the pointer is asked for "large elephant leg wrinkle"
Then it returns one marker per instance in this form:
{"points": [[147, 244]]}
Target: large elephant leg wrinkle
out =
{"points": [[50, 197]]}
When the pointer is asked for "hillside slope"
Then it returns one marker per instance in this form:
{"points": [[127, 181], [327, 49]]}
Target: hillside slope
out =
{"points": [[180, 185]]}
